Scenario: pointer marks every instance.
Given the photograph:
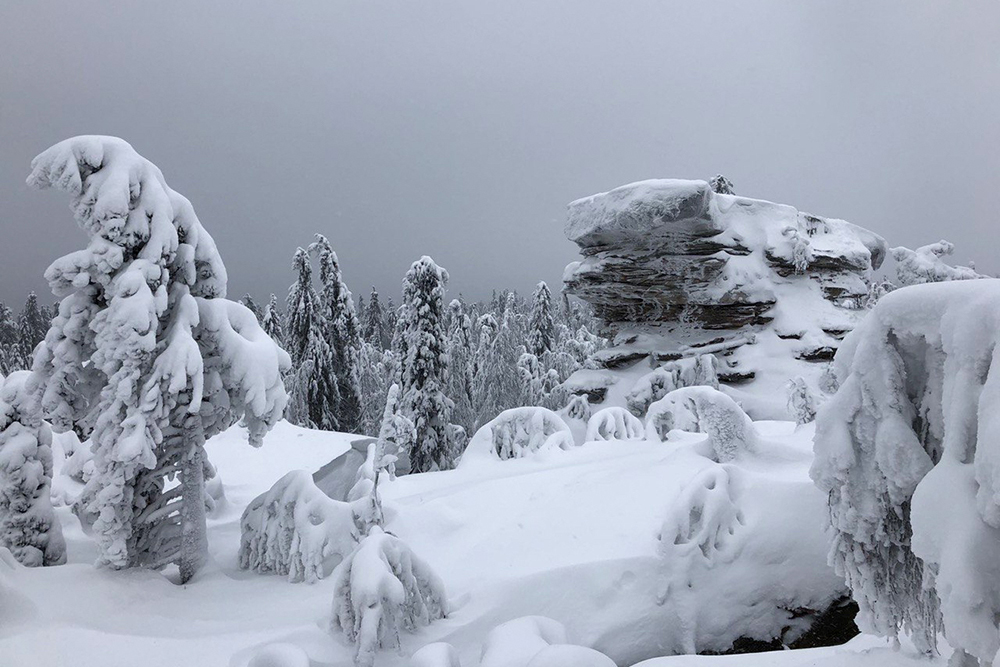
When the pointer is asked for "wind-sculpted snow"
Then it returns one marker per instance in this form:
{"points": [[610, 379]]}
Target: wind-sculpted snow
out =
{"points": [[924, 265], [703, 410], [614, 424], [677, 271], [381, 589], [516, 433], [907, 452], [296, 531]]}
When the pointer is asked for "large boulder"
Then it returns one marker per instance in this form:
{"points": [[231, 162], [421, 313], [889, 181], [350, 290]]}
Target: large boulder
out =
{"points": [[676, 270]]}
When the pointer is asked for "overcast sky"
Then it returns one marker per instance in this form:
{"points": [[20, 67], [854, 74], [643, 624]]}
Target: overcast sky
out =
{"points": [[462, 129]]}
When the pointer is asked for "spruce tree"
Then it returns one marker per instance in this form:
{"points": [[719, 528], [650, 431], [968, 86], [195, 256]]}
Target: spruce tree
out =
{"points": [[541, 328], [342, 331], [424, 366], [375, 331], [271, 322], [460, 370], [32, 324], [146, 355], [315, 401], [252, 306], [10, 349]]}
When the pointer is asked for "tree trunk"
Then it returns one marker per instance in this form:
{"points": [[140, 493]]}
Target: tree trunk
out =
{"points": [[194, 542]]}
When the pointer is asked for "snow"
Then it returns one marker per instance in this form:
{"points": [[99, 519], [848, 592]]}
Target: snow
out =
{"points": [[572, 535]]}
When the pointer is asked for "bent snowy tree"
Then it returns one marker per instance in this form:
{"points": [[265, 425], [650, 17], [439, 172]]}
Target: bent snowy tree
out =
{"points": [[146, 355]]}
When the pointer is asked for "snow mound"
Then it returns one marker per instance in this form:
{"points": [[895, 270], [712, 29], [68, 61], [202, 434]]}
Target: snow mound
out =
{"points": [[438, 654], [517, 433], [514, 643], [279, 655], [296, 530], [614, 424], [381, 589], [907, 452], [703, 410], [568, 655]]}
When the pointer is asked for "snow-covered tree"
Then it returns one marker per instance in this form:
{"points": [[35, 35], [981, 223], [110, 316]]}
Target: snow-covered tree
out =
{"points": [[315, 393], [32, 325], [391, 317], [251, 305], [11, 358], [541, 328], [498, 379], [721, 185], [801, 401], [925, 265], [271, 321], [460, 370], [703, 410], [375, 325], [28, 526], [146, 353], [342, 331], [381, 589], [424, 365], [375, 370]]}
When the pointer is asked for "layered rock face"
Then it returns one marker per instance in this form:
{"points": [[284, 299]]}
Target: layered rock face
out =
{"points": [[675, 270]]}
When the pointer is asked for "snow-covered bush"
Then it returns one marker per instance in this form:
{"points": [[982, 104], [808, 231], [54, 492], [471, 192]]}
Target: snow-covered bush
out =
{"points": [[907, 451], [296, 530], [577, 414], [516, 433], [703, 410], [651, 387], [380, 589], [924, 265], [438, 654], [28, 526], [698, 534], [614, 424], [801, 401]]}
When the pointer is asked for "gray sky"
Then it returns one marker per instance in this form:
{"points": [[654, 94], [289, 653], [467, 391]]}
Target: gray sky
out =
{"points": [[461, 129]]}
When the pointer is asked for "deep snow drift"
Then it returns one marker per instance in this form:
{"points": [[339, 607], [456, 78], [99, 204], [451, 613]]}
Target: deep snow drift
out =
{"points": [[570, 534], [677, 270]]}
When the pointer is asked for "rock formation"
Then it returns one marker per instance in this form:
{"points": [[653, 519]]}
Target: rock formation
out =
{"points": [[676, 270]]}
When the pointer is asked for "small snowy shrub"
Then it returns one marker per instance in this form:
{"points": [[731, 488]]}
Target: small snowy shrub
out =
{"points": [[907, 451], [801, 401], [653, 386], [924, 265], [614, 424], [296, 530], [381, 589], [517, 433], [28, 526], [703, 410]]}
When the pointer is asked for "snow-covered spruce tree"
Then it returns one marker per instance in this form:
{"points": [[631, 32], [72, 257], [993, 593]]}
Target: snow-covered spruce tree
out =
{"points": [[28, 526], [721, 185], [32, 325], [460, 368], [252, 306], [391, 317], [342, 331], [541, 327], [10, 349], [424, 366], [271, 321], [374, 371], [375, 326], [146, 353], [498, 379], [315, 395]]}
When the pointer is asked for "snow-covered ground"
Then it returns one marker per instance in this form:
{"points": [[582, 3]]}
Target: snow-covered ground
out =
{"points": [[571, 535]]}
